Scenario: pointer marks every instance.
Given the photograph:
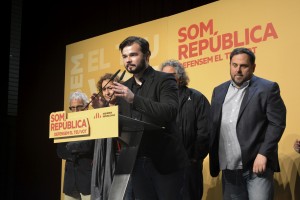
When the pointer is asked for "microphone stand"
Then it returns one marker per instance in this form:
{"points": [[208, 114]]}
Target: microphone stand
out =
{"points": [[112, 78]]}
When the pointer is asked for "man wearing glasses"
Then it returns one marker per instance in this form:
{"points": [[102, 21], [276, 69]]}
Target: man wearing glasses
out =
{"points": [[79, 158]]}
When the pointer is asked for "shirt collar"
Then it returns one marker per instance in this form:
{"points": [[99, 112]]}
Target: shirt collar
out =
{"points": [[145, 76], [244, 85]]}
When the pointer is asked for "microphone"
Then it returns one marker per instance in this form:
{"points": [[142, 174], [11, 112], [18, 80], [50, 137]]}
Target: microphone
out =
{"points": [[122, 75], [121, 78], [112, 78]]}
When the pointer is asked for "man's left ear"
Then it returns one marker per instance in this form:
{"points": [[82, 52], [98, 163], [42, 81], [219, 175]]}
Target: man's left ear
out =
{"points": [[254, 67]]}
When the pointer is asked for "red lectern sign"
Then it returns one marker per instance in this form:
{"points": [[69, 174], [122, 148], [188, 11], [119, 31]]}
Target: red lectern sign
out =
{"points": [[60, 126]]}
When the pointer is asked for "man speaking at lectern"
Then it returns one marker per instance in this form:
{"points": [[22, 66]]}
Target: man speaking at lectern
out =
{"points": [[152, 96]]}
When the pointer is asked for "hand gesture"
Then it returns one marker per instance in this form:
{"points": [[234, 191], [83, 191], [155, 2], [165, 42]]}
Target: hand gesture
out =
{"points": [[123, 92], [97, 101]]}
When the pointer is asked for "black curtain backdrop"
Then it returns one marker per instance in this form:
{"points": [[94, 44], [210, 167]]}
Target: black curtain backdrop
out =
{"points": [[47, 27]]}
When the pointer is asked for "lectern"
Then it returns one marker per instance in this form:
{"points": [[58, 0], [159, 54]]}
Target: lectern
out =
{"points": [[103, 123], [130, 135]]}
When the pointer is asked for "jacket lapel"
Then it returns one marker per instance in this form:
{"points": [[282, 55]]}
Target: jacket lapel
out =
{"points": [[250, 91], [147, 83], [220, 97]]}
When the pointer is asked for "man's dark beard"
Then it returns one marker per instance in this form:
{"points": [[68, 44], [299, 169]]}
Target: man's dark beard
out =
{"points": [[139, 68]]}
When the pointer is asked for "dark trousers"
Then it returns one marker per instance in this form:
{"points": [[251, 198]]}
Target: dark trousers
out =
{"points": [[193, 181], [149, 184]]}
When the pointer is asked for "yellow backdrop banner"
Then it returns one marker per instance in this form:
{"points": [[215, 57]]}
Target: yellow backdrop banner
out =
{"points": [[202, 39]]}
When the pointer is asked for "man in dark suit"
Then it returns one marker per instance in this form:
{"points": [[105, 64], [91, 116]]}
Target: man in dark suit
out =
{"points": [[79, 158], [248, 119], [152, 96]]}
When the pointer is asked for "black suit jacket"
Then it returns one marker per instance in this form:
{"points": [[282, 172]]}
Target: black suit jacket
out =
{"points": [[260, 125], [193, 122], [157, 102]]}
